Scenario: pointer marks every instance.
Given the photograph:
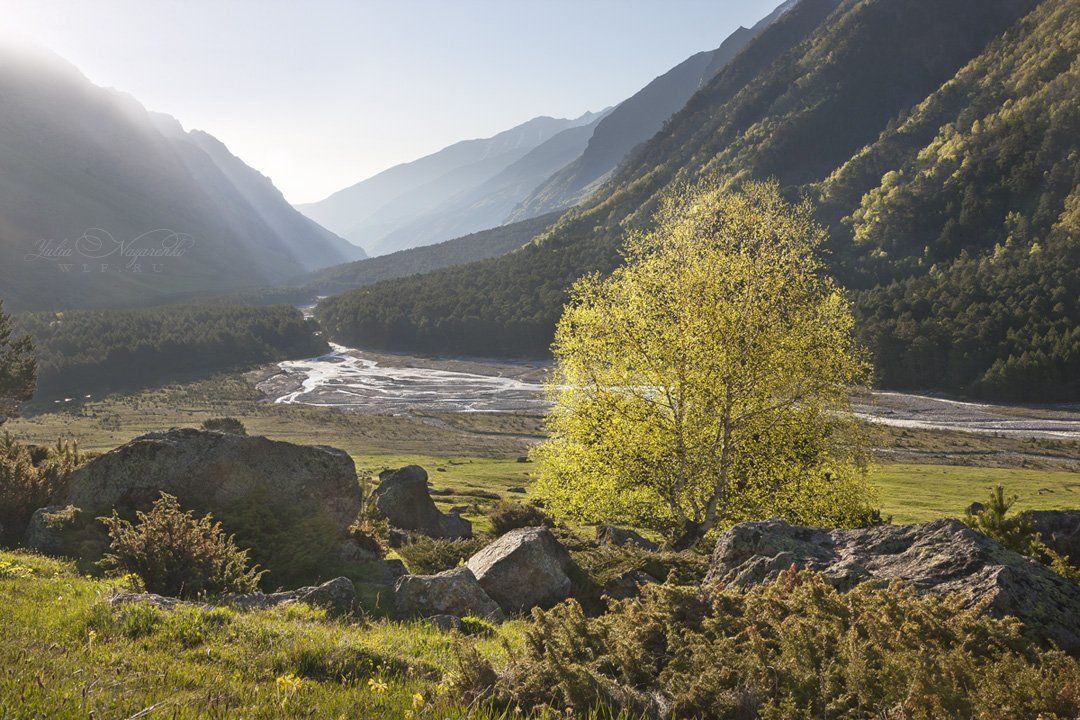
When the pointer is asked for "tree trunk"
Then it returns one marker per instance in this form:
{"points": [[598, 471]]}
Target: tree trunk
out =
{"points": [[689, 535]]}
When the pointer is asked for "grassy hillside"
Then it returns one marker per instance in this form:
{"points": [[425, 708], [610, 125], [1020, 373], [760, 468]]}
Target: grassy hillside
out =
{"points": [[929, 131]]}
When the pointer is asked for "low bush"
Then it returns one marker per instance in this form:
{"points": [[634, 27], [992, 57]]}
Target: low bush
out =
{"points": [[178, 555], [507, 516], [796, 648], [30, 478], [225, 425], [425, 556], [1016, 532]]}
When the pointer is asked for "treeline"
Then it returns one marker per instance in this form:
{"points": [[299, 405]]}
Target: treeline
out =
{"points": [[940, 140], [88, 352]]}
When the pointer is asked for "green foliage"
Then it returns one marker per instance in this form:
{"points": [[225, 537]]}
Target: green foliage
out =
{"points": [[225, 425], [178, 555], [706, 381], [508, 515], [793, 649], [88, 351], [18, 368], [1017, 532], [28, 483], [425, 556], [474, 626]]}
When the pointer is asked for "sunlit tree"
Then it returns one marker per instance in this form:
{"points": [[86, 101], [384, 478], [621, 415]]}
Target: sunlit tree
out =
{"points": [[706, 381]]}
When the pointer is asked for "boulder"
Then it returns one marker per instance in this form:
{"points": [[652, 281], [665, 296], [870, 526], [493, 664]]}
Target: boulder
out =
{"points": [[46, 532], [628, 584], [210, 469], [523, 569], [403, 497], [1060, 530], [944, 556], [292, 503], [337, 595], [612, 535], [451, 592]]}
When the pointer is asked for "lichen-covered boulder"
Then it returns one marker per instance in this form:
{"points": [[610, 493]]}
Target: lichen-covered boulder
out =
{"points": [[944, 556], [451, 592], [290, 504], [523, 569], [627, 584], [403, 497], [47, 531], [337, 596]]}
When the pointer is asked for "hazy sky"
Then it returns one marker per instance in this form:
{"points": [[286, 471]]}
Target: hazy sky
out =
{"points": [[319, 95]]}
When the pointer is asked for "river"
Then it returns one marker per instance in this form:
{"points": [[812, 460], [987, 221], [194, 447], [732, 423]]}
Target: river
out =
{"points": [[381, 383]]}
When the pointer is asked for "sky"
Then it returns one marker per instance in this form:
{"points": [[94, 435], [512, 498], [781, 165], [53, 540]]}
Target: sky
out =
{"points": [[322, 94]]}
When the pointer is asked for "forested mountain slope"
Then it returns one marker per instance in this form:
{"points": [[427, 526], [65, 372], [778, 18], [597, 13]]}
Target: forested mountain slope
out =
{"points": [[75, 158], [843, 101], [635, 120]]}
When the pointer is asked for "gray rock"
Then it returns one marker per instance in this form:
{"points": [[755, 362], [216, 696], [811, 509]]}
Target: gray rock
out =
{"points": [[451, 592], [45, 533], [523, 569], [403, 497], [210, 469], [628, 584], [1060, 530], [943, 556], [612, 535], [337, 595]]}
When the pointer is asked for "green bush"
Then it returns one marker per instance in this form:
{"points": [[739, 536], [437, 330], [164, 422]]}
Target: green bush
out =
{"points": [[796, 648], [507, 516], [31, 478], [225, 425], [1017, 532], [425, 556], [176, 554]]}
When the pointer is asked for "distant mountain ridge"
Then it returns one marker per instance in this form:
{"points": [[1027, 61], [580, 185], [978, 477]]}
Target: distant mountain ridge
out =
{"points": [[75, 158], [376, 212]]}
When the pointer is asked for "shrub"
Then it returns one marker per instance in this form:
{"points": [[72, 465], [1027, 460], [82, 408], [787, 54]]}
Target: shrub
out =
{"points": [[225, 425], [370, 534], [425, 556], [507, 516], [31, 478], [176, 554], [1017, 532], [796, 648]]}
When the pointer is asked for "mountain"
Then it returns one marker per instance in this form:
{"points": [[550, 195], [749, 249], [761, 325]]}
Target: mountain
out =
{"points": [[940, 138], [370, 212], [488, 204], [103, 203], [635, 120], [403, 263]]}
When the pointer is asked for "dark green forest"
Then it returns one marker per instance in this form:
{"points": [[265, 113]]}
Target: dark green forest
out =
{"points": [[92, 351], [939, 141]]}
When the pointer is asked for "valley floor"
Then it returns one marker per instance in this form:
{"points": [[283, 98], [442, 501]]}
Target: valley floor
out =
{"points": [[473, 458]]}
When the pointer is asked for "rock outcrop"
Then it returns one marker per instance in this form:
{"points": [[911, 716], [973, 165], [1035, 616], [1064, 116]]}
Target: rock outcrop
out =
{"points": [[612, 535], [627, 585], [452, 592], [403, 497], [1060, 530], [523, 569], [943, 556], [337, 596], [290, 504]]}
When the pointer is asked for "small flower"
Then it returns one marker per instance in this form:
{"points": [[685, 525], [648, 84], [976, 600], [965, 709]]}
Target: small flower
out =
{"points": [[288, 685], [417, 701], [91, 636], [376, 686]]}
